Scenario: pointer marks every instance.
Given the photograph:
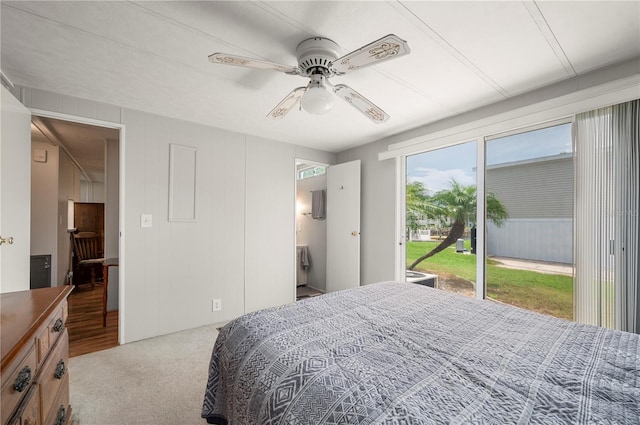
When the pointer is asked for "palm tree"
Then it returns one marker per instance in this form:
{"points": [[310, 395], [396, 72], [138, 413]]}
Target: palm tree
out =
{"points": [[459, 203]]}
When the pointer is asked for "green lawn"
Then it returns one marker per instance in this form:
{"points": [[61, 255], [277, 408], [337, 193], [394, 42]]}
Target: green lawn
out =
{"points": [[546, 293]]}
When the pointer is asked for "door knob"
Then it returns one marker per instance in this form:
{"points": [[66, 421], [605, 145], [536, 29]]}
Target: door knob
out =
{"points": [[8, 240]]}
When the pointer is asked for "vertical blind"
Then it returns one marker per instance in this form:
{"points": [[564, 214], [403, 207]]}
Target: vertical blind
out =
{"points": [[626, 126], [607, 179]]}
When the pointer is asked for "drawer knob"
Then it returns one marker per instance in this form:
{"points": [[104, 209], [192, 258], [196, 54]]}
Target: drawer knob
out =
{"points": [[60, 370], [58, 325], [23, 379], [61, 416]]}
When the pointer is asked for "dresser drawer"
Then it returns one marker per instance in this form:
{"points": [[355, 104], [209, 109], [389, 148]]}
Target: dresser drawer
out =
{"points": [[21, 378], [29, 412], [60, 413], [33, 338], [53, 375], [50, 333]]}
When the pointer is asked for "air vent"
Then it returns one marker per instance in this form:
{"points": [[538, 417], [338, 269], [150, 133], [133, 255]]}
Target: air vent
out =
{"points": [[308, 65]]}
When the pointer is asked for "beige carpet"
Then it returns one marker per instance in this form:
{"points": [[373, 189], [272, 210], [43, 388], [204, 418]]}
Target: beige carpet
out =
{"points": [[156, 381]]}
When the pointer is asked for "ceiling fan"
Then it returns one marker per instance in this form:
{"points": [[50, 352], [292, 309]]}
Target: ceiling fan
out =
{"points": [[319, 59]]}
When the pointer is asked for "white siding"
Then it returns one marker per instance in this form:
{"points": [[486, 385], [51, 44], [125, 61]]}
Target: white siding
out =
{"points": [[538, 196], [532, 239], [540, 189]]}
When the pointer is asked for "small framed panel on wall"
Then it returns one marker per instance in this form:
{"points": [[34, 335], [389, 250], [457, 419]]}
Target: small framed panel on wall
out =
{"points": [[182, 183]]}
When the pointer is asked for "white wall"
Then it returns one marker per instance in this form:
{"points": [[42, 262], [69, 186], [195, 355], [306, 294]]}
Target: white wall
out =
{"points": [[269, 230], [241, 248], [377, 234], [52, 183], [111, 217], [312, 232], [92, 192], [44, 204], [174, 269], [68, 188]]}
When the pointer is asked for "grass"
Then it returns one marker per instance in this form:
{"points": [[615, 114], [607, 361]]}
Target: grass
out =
{"points": [[545, 293]]}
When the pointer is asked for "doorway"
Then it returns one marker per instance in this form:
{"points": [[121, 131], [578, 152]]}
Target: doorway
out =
{"points": [[77, 165], [332, 205], [311, 229]]}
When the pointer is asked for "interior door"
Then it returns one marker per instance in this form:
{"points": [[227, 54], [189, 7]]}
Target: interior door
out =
{"points": [[15, 194], [343, 226]]}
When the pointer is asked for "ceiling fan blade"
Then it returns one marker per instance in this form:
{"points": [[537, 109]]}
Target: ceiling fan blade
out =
{"points": [[361, 103], [388, 47], [288, 103], [228, 59]]}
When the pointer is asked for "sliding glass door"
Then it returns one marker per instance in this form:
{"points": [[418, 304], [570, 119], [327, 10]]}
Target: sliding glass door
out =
{"points": [[530, 248], [440, 218]]}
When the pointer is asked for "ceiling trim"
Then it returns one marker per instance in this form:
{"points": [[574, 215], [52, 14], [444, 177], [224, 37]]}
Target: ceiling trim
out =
{"points": [[442, 42], [76, 118], [547, 32], [578, 101], [6, 81]]}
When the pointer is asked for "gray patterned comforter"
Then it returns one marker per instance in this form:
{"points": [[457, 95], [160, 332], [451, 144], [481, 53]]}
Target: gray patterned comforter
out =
{"points": [[397, 353]]}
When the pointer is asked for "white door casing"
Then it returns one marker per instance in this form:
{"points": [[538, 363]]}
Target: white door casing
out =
{"points": [[15, 194], [343, 226]]}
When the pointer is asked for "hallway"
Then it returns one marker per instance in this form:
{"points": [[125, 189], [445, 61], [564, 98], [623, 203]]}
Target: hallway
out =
{"points": [[86, 333]]}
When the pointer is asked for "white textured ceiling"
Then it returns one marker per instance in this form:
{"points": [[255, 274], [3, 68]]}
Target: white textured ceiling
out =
{"points": [[152, 56]]}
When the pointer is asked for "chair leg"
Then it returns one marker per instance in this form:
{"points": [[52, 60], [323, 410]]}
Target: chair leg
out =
{"points": [[93, 276]]}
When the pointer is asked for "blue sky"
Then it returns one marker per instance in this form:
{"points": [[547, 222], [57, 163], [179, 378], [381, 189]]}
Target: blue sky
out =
{"points": [[435, 169]]}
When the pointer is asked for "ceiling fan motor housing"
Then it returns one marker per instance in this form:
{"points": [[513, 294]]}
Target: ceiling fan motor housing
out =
{"points": [[315, 56]]}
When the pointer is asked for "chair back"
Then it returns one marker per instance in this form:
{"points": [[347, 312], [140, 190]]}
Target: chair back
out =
{"points": [[87, 246]]}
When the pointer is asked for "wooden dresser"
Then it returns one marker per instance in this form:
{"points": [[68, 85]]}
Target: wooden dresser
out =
{"points": [[34, 343]]}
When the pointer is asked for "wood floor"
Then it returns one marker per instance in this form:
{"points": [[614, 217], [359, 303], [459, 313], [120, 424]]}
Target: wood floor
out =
{"points": [[86, 333]]}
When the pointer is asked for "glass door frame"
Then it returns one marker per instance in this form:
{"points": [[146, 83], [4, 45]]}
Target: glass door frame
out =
{"points": [[481, 216], [401, 213]]}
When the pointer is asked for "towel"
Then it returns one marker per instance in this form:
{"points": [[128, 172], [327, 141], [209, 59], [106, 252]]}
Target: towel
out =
{"points": [[304, 258], [317, 204]]}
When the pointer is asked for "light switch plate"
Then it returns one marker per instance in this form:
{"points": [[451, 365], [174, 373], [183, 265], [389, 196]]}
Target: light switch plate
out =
{"points": [[145, 220]]}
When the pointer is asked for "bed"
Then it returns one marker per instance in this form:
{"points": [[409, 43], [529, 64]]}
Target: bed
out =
{"points": [[400, 353]]}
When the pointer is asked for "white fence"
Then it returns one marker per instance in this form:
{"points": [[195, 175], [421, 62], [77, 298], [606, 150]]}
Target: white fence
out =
{"points": [[532, 239], [420, 235]]}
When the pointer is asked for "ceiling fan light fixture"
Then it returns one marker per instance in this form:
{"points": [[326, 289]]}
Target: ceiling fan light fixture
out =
{"points": [[318, 99], [319, 59]]}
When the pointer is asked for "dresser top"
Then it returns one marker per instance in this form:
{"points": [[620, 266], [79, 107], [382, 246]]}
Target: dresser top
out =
{"points": [[21, 313]]}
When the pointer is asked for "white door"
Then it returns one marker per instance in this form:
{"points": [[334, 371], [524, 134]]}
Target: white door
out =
{"points": [[15, 194], [343, 226]]}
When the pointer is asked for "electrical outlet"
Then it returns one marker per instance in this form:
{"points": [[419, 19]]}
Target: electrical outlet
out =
{"points": [[216, 304]]}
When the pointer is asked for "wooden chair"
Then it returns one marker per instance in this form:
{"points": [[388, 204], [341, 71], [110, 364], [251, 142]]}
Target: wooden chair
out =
{"points": [[87, 248]]}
